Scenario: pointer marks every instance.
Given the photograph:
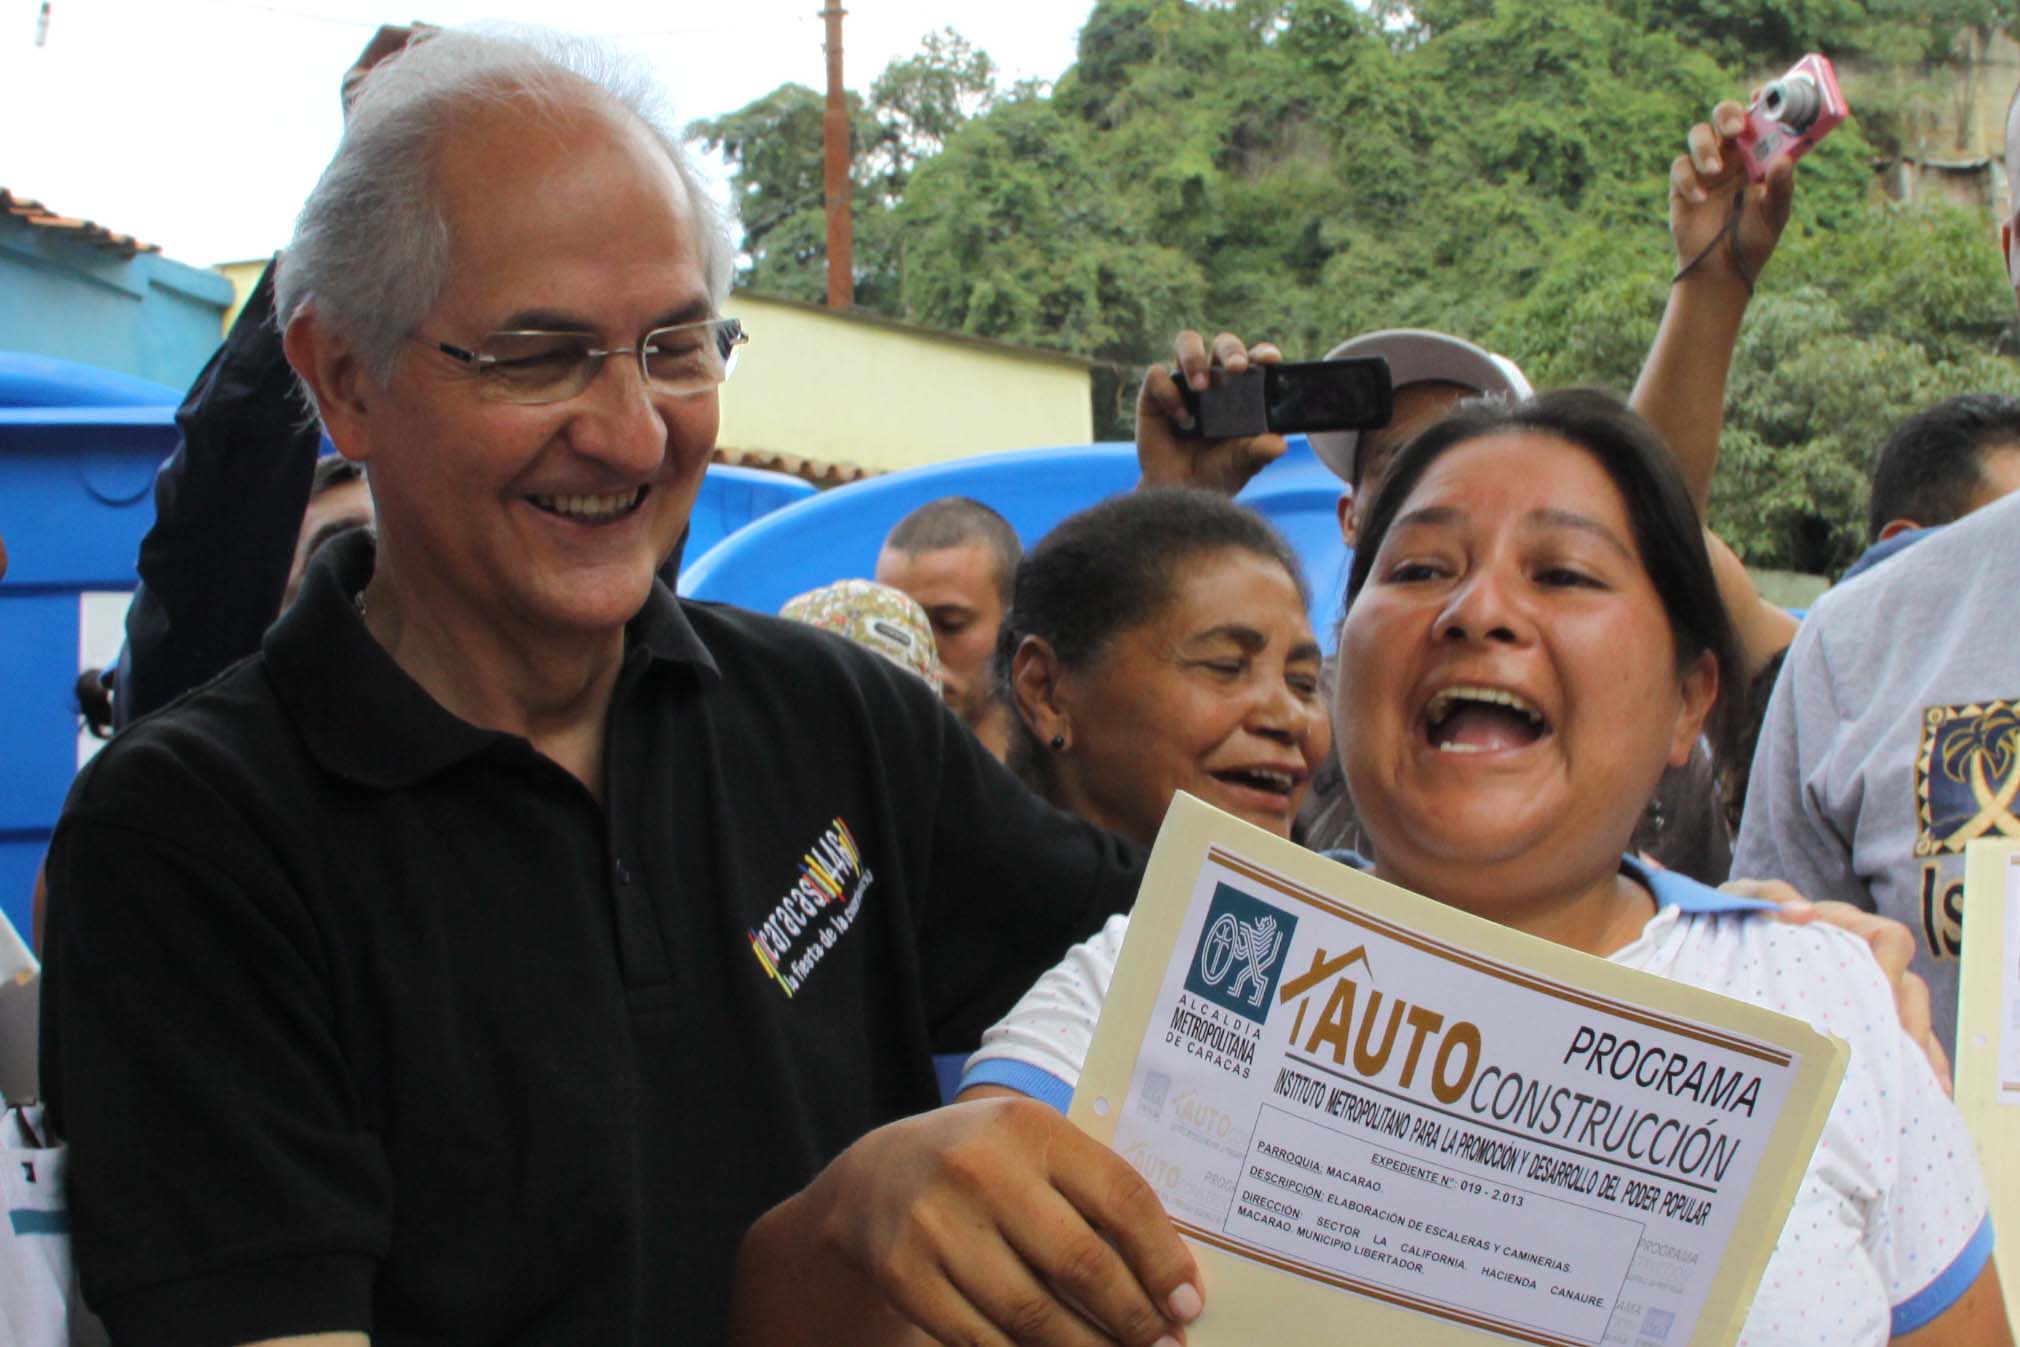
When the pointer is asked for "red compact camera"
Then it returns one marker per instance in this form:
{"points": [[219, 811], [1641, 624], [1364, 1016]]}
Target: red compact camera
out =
{"points": [[1792, 114]]}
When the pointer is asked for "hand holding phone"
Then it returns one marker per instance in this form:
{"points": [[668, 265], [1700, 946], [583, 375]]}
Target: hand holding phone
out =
{"points": [[1286, 399]]}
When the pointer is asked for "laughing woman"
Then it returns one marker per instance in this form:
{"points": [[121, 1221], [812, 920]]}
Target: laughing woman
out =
{"points": [[1158, 642], [1533, 635]]}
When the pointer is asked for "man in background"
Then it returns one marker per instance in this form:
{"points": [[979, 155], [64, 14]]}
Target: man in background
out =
{"points": [[958, 558], [1938, 466], [1432, 374]]}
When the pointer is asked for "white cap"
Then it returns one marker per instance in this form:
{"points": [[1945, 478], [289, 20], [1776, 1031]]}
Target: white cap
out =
{"points": [[1417, 356]]}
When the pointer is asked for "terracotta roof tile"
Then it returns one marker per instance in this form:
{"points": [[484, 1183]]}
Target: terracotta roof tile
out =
{"points": [[36, 215], [806, 469]]}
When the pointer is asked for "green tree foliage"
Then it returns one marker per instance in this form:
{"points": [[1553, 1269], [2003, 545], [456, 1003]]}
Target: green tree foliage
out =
{"points": [[1862, 325], [1760, 34], [1309, 169], [920, 101], [1011, 234], [775, 150]]}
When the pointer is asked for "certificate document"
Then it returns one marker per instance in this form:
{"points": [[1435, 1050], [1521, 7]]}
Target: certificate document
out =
{"points": [[1371, 1112], [1988, 1034]]}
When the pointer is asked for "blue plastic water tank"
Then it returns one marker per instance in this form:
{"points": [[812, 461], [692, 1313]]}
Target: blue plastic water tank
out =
{"points": [[732, 497], [836, 534], [75, 499], [45, 381]]}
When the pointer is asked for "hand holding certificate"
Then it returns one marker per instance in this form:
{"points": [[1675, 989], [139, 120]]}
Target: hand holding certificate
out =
{"points": [[994, 1221], [1338, 1086]]}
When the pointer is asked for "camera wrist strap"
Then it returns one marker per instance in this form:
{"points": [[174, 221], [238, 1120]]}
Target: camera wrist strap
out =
{"points": [[1728, 234]]}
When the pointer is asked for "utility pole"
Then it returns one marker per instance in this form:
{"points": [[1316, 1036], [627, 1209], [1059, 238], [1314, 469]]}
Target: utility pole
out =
{"points": [[835, 146]]}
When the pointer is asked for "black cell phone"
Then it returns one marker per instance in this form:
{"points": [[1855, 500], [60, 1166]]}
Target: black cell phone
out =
{"points": [[1285, 399]]}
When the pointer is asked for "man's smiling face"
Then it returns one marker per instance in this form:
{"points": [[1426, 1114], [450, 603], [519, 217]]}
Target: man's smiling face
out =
{"points": [[550, 517]]}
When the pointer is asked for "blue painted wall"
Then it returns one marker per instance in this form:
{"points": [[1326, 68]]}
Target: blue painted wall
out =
{"points": [[145, 315]]}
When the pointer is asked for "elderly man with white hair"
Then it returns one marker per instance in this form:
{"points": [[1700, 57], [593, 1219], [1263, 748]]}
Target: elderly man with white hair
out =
{"points": [[480, 960]]}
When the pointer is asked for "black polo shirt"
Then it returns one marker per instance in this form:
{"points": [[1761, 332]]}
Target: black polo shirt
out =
{"points": [[361, 1017]]}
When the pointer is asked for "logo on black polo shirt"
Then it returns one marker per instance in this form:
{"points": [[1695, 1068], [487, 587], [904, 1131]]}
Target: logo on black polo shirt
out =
{"points": [[816, 911]]}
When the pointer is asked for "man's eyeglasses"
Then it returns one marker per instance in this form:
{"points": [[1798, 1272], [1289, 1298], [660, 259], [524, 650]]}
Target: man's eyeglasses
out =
{"points": [[536, 367]]}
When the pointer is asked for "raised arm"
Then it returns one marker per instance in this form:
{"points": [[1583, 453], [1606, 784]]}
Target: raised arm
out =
{"points": [[1762, 629], [227, 505], [1725, 230]]}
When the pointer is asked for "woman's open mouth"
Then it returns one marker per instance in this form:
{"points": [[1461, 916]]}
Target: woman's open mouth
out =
{"points": [[1262, 794], [1472, 719], [1268, 780]]}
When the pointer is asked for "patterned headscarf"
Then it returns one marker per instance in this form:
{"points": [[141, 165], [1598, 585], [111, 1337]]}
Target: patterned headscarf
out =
{"points": [[876, 617]]}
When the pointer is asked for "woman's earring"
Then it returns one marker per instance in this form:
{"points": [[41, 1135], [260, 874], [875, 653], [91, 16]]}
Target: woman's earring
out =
{"points": [[1058, 743]]}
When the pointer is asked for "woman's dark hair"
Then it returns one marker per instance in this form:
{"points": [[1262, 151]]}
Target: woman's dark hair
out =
{"points": [[1667, 531], [1111, 567]]}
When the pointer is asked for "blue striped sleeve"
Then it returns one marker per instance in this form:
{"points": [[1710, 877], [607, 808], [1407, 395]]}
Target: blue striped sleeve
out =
{"points": [[1940, 1294], [1022, 1077]]}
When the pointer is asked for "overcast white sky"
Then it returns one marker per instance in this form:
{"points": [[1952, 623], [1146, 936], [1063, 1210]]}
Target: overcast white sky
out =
{"points": [[201, 124]]}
